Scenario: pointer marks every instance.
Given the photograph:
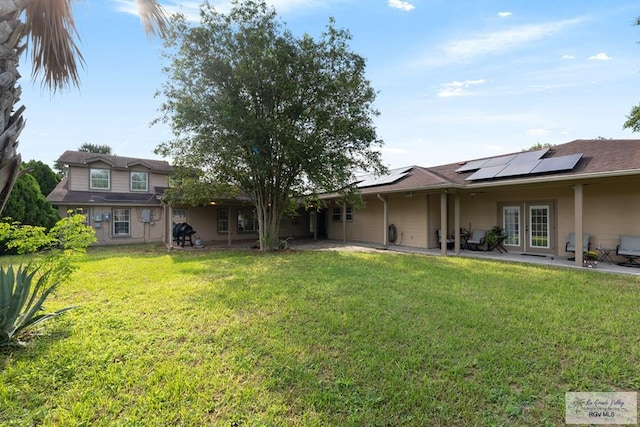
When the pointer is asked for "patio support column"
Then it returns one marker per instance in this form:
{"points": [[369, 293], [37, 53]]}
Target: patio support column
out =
{"points": [[344, 222], [169, 217], [443, 223], [456, 224], [578, 207], [229, 228], [313, 218], [385, 221]]}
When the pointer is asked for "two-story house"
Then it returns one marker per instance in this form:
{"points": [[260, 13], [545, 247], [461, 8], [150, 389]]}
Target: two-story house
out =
{"points": [[120, 196]]}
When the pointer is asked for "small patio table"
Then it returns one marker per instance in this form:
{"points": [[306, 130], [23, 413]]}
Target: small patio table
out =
{"points": [[498, 245], [605, 255]]}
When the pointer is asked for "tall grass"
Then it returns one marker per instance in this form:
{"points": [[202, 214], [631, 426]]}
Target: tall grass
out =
{"points": [[321, 338]]}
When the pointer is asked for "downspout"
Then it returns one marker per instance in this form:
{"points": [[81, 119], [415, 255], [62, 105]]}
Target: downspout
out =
{"points": [[385, 221], [168, 219]]}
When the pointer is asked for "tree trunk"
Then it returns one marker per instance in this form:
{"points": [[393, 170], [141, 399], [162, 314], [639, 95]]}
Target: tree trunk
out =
{"points": [[11, 35]]}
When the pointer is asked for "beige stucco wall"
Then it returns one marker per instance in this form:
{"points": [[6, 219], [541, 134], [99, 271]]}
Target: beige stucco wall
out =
{"points": [[205, 221], [611, 208], [408, 214], [140, 232], [120, 179]]}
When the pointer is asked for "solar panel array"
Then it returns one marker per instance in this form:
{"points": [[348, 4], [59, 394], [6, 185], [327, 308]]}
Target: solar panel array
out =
{"points": [[371, 180], [525, 163]]}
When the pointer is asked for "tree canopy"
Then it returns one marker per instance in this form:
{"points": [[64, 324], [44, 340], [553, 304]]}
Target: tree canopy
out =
{"points": [[274, 115], [95, 148], [46, 177], [633, 119], [28, 205]]}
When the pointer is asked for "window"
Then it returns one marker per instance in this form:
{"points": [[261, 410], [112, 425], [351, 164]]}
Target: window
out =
{"points": [[179, 215], [247, 220], [336, 214], [139, 181], [223, 221], [121, 222], [349, 214], [99, 179]]}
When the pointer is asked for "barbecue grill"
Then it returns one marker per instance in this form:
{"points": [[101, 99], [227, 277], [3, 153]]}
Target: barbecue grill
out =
{"points": [[182, 233]]}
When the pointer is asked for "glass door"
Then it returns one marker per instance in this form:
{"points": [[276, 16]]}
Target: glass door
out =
{"points": [[539, 230], [511, 225]]}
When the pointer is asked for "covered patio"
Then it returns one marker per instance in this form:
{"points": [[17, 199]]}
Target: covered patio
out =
{"points": [[548, 260]]}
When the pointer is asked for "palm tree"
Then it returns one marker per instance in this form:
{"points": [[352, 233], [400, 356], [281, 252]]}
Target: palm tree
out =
{"points": [[49, 26]]}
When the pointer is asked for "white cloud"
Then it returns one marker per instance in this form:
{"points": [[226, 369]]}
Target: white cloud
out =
{"points": [[501, 41], [456, 88], [402, 5], [600, 57], [504, 14], [568, 57]]}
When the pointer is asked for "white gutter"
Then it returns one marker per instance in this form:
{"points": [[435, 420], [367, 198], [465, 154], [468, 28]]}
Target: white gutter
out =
{"points": [[385, 221]]}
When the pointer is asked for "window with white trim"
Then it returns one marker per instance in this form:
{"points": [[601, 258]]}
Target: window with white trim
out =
{"points": [[336, 214], [247, 220], [99, 179], [223, 220], [139, 181], [122, 222]]}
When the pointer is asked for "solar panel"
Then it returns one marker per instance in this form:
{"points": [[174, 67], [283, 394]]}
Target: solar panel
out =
{"points": [[471, 166], [393, 176], [497, 161], [486, 173], [529, 156], [555, 164], [518, 168]]}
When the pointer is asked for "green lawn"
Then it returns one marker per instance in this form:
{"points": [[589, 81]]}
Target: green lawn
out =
{"points": [[321, 339]]}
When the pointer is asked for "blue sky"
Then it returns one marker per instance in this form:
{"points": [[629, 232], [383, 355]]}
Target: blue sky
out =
{"points": [[457, 79]]}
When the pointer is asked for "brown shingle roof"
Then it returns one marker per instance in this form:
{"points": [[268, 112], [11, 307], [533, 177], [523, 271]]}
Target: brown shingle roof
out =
{"points": [[84, 159], [599, 157], [62, 196]]}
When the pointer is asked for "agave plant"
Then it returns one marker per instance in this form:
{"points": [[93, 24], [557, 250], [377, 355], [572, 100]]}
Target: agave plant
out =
{"points": [[22, 293]]}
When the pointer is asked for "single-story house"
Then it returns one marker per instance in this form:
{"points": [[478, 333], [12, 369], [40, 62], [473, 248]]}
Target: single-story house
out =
{"points": [[122, 200], [539, 198]]}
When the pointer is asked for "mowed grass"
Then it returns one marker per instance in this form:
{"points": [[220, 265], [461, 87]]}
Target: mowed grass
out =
{"points": [[321, 339]]}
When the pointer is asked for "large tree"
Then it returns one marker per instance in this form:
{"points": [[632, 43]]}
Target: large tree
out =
{"points": [[95, 148], [28, 205], [633, 119], [46, 177], [49, 26], [274, 115]]}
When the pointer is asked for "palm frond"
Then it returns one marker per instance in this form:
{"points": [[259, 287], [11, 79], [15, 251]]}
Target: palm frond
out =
{"points": [[153, 17], [50, 25]]}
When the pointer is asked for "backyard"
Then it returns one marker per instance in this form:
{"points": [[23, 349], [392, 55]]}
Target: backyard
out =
{"points": [[238, 337]]}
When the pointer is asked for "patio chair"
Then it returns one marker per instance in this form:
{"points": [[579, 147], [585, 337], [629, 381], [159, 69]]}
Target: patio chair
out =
{"points": [[629, 248], [477, 238], [450, 240], [571, 244]]}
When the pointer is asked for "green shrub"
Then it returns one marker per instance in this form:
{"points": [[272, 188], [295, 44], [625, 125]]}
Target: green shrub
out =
{"points": [[23, 291]]}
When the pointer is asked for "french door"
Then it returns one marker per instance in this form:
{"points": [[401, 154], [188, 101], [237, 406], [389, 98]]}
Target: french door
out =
{"points": [[528, 226]]}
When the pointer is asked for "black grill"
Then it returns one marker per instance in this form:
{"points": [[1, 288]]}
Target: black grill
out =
{"points": [[182, 233]]}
